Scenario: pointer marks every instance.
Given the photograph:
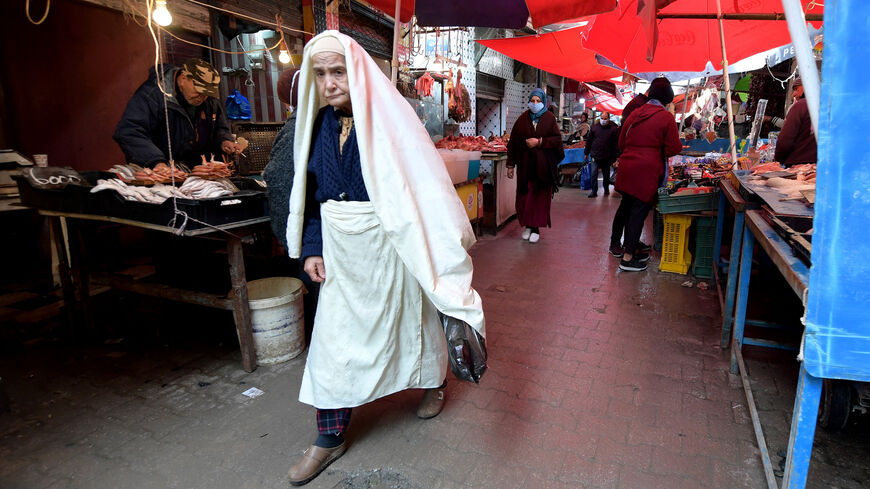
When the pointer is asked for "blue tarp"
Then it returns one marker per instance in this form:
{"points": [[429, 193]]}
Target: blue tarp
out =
{"points": [[574, 155]]}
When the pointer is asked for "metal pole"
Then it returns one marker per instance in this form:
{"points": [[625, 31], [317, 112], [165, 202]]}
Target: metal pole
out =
{"points": [[734, 16], [685, 105], [800, 38], [394, 64], [727, 87]]}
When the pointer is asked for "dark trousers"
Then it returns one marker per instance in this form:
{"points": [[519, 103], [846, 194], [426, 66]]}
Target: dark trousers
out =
{"points": [[629, 219], [605, 171]]}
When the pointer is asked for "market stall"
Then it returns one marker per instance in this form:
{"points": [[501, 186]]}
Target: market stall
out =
{"points": [[209, 207]]}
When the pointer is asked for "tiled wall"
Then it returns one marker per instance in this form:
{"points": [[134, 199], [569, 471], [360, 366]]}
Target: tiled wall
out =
{"points": [[489, 117]]}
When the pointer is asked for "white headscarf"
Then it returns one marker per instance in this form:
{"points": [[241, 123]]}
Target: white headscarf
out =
{"points": [[405, 177]]}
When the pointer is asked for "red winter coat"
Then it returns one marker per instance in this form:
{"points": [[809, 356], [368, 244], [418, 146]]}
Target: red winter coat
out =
{"points": [[648, 137]]}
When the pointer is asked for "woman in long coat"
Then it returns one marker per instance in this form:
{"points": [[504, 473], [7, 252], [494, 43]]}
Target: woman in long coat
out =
{"points": [[535, 150], [648, 137]]}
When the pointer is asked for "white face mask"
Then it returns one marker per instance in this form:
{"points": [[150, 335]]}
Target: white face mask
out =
{"points": [[536, 107], [604, 122]]}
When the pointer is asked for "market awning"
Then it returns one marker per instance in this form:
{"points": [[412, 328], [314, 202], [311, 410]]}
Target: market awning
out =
{"points": [[687, 44], [508, 14], [603, 101], [559, 52]]}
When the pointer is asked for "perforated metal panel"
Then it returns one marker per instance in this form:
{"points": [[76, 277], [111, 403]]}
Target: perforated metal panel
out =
{"points": [[489, 117], [516, 96], [469, 75]]}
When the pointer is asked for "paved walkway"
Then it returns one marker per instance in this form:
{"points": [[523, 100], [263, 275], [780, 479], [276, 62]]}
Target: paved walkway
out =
{"points": [[597, 379]]}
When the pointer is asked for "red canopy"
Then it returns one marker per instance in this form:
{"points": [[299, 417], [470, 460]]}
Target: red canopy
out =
{"points": [[687, 44], [493, 13], [556, 52]]}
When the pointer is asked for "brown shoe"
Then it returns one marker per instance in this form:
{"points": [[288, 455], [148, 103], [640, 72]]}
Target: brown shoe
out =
{"points": [[431, 404], [313, 462]]}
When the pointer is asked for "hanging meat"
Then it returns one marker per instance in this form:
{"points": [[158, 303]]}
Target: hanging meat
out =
{"points": [[459, 104], [424, 85]]}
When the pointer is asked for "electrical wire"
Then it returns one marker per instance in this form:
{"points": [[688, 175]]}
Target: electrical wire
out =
{"points": [[237, 14], [44, 16]]}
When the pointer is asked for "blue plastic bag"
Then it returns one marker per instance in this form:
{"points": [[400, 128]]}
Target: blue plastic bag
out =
{"points": [[238, 106], [586, 177]]}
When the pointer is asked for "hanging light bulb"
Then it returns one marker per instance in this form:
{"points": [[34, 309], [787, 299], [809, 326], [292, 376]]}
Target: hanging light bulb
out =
{"points": [[284, 56], [161, 14]]}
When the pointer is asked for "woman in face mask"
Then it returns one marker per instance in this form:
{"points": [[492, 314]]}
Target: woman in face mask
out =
{"points": [[535, 150]]}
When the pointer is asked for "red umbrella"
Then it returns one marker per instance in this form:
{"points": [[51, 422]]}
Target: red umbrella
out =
{"points": [[510, 14], [602, 100], [686, 44], [556, 52]]}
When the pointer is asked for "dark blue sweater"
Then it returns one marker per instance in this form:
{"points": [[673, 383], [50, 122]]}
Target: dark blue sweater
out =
{"points": [[332, 175]]}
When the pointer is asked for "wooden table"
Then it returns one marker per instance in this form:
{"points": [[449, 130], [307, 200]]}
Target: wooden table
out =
{"points": [[76, 279]]}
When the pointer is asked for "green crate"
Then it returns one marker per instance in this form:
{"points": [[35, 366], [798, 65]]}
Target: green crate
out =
{"points": [[669, 204], [705, 237], [658, 229]]}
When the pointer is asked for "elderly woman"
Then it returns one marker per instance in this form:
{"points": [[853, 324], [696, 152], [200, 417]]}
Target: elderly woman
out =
{"points": [[648, 137], [535, 150], [375, 218]]}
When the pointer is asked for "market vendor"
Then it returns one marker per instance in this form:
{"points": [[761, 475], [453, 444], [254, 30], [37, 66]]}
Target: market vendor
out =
{"points": [[197, 119], [378, 224], [796, 143]]}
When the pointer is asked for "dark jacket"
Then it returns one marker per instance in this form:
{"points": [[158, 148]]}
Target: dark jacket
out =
{"points": [[649, 136], [537, 165], [279, 178], [141, 133], [796, 143], [603, 143]]}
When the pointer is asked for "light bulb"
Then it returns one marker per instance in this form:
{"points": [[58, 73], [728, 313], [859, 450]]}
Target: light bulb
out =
{"points": [[284, 56], [161, 14]]}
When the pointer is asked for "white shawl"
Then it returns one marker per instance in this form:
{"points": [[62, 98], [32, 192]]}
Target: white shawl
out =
{"points": [[405, 178]]}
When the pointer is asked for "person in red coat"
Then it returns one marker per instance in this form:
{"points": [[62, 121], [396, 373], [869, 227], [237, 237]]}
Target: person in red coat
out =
{"points": [[535, 150], [648, 137]]}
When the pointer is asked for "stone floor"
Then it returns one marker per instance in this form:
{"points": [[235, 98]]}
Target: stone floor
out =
{"points": [[597, 379]]}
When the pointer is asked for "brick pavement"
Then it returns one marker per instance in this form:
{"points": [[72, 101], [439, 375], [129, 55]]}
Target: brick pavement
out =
{"points": [[597, 379]]}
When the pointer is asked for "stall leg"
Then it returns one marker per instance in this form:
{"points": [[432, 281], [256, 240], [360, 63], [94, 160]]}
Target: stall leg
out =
{"points": [[69, 298], [803, 430], [720, 225], [81, 276], [742, 294], [731, 287], [241, 309]]}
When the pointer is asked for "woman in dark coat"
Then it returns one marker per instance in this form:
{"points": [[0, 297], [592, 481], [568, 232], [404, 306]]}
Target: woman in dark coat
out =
{"points": [[279, 171], [648, 137], [535, 149]]}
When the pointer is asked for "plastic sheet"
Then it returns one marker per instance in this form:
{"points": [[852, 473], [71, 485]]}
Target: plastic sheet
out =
{"points": [[466, 349]]}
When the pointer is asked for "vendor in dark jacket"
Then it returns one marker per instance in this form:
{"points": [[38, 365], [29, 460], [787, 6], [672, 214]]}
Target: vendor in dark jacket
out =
{"points": [[649, 136], [197, 119], [796, 143], [602, 144]]}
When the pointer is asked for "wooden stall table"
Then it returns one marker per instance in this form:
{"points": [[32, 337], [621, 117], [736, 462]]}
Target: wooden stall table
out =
{"points": [[76, 279]]}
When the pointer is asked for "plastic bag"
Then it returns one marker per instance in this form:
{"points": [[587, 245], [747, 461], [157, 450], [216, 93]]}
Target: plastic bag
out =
{"points": [[238, 106], [586, 177], [466, 349]]}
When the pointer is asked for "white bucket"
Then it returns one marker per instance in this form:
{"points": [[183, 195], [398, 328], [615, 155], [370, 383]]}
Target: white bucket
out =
{"points": [[277, 318]]}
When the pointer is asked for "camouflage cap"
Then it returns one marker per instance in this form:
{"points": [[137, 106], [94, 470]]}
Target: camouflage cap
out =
{"points": [[204, 76]]}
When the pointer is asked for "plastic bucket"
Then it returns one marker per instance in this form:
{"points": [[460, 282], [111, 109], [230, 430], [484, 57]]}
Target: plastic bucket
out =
{"points": [[277, 318]]}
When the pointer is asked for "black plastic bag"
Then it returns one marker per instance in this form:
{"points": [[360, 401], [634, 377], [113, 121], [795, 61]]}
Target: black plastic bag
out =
{"points": [[466, 349]]}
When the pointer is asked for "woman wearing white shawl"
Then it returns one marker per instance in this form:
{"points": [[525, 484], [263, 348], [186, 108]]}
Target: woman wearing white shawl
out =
{"points": [[376, 219]]}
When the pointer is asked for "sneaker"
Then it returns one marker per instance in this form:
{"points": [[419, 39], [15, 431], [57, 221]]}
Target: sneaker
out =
{"points": [[526, 233], [616, 250], [643, 247], [641, 257], [632, 266], [534, 238]]}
